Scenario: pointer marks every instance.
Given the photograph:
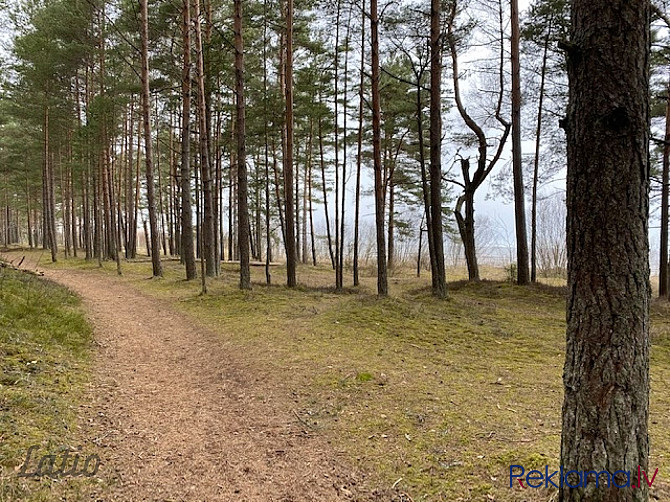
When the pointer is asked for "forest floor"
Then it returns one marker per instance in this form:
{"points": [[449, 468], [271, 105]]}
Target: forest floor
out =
{"points": [[278, 394]]}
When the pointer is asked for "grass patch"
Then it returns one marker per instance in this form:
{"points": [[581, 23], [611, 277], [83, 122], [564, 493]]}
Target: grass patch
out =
{"points": [[44, 350], [436, 397]]}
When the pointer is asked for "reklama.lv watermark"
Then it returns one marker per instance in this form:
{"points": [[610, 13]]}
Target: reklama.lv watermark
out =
{"points": [[576, 479]]}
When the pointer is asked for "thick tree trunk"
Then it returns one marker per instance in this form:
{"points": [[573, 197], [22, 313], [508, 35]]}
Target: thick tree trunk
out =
{"points": [[440, 282], [606, 374], [242, 205], [146, 113], [465, 219], [288, 153]]}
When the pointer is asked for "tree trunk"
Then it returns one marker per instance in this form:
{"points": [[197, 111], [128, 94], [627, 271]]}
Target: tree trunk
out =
{"points": [[344, 150], [161, 208], [280, 210], [382, 275], [440, 282], [606, 374], [208, 249], [466, 228], [49, 183], [266, 155], [391, 224], [30, 223], [536, 162], [425, 188], [322, 162], [146, 112], [304, 201], [242, 206], [665, 190], [288, 154], [336, 132], [359, 151], [187, 251], [517, 167]]}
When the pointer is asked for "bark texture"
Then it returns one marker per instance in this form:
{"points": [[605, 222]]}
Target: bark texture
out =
{"points": [[440, 281], [606, 374], [291, 257], [242, 203]]}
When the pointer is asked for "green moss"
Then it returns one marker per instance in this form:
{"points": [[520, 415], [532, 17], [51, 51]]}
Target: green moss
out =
{"points": [[364, 377], [44, 348]]}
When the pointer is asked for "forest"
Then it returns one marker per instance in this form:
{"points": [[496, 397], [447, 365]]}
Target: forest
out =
{"points": [[373, 227], [342, 164]]}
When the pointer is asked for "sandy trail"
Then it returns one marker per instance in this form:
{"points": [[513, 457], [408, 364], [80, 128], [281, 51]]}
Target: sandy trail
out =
{"points": [[175, 418]]}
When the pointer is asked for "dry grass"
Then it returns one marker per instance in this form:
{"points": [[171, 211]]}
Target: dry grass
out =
{"points": [[436, 397]]}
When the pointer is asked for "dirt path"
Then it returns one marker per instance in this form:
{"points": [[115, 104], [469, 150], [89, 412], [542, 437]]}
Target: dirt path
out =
{"points": [[176, 419]]}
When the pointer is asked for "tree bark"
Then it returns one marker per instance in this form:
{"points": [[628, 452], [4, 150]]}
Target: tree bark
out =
{"points": [[466, 227], [288, 154], [606, 374], [517, 167], [187, 248], [49, 202], [242, 204], [440, 282], [382, 273], [208, 247], [665, 190], [359, 151], [148, 154]]}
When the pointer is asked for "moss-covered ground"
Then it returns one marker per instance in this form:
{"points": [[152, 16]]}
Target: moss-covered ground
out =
{"points": [[437, 398], [45, 345]]}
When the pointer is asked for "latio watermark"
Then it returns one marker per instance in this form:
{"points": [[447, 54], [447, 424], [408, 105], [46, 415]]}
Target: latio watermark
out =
{"points": [[68, 463], [577, 479]]}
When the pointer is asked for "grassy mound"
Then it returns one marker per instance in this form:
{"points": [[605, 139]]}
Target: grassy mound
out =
{"points": [[44, 351]]}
